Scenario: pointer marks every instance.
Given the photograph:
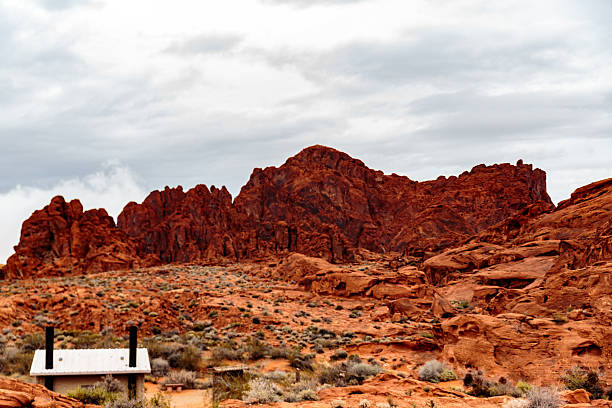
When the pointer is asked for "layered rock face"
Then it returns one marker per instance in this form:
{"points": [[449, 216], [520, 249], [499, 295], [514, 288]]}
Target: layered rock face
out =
{"points": [[332, 204], [18, 394], [61, 239], [200, 225], [321, 203]]}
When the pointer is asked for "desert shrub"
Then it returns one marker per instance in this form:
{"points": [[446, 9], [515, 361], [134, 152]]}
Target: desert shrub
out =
{"points": [[277, 376], [581, 378], [362, 371], [337, 404], [278, 352], [354, 359], [364, 403], [480, 386], [189, 358], [434, 371], [262, 391], [543, 397], [18, 362], [159, 367], [523, 387], [85, 339], [256, 349], [187, 378], [305, 390], [339, 355], [127, 403], [110, 384], [226, 352], [93, 395], [344, 374], [159, 400], [306, 395], [32, 342], [230, 387], [301, 361], [447, 375], [164, 350]]}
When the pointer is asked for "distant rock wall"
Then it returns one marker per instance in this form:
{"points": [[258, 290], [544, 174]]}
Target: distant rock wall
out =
{"points": [[321, 203]]}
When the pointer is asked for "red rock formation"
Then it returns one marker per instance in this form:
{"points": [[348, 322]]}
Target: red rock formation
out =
{"points": [[61, 239], [330, 204], [321, 203], [17, 394], [198, 226]]}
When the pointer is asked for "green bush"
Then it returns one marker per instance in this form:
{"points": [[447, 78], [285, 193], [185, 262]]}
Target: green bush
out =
{"points": [[582, 378], [523, 387], [93, 395], [189, 358], [339, 355], [18, 362]]}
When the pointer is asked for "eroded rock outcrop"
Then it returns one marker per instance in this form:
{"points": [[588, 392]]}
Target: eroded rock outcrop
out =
{"points": [[61, 239], [17, 394], [320, 203]]}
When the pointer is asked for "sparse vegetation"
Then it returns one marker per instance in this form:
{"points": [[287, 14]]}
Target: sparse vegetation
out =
{"points": [[94, 395], [543, 397], [583, 378], [435, 371], [187, 378], [263, 391]]}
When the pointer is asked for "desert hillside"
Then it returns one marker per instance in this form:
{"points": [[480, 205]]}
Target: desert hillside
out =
{"points": [[327, 266]]}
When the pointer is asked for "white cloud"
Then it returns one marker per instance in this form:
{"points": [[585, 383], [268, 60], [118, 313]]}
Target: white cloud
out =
{"points": [[110, 188]]}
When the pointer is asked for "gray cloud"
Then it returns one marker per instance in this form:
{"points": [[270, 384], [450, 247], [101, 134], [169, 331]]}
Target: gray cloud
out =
{"points": [[309, 3], [425, 102], [442, 58], [205, 44], [61, 5]]}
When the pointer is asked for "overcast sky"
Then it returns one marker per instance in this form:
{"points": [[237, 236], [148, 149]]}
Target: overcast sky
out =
{"points": [[107, 100]]}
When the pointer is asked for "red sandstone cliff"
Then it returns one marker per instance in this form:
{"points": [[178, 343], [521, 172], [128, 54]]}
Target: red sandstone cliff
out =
{"points": [[321, 202], [61, 239]]}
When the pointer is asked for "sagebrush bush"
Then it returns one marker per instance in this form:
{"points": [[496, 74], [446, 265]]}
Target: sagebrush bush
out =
{"points": [[94, 395], [187, 378], [346, 373], [110, 384], [339, 355], [432, 371], [189, 358], [127, 403], [262, 391], [364, 403], [543, 397], [226, 352], [159, 367]]}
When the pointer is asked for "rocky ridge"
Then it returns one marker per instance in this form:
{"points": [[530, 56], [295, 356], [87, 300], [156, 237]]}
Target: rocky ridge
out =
{"points": [[320, 203]]}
